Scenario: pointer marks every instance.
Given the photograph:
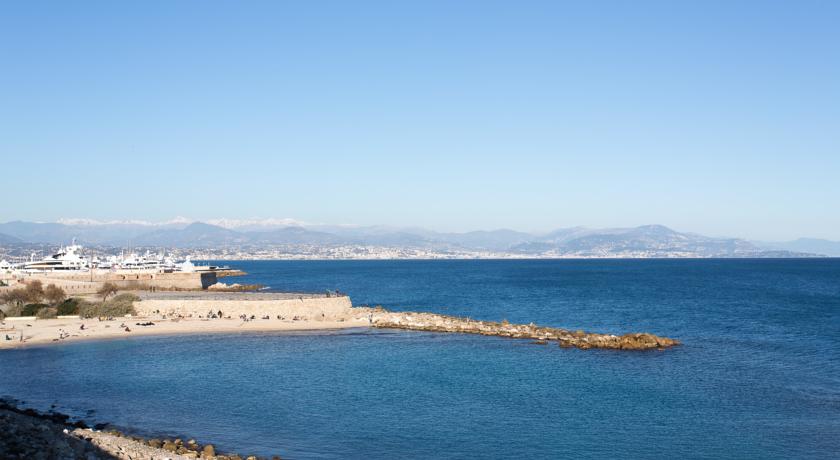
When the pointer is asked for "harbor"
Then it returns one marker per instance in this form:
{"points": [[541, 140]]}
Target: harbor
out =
{"points": [[70, 269]]}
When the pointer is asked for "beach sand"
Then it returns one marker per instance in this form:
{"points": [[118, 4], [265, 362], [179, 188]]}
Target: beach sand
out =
{"points": [[49, 331]]}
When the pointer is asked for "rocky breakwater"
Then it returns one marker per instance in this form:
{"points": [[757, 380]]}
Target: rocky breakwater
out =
{"points": [[565, 338]]}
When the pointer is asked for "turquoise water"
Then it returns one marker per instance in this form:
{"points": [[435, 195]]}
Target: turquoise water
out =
{"points": [[757, 377]]}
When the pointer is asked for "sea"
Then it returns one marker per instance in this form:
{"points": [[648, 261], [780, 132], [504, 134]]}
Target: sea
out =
{"points": [[757, 376]]}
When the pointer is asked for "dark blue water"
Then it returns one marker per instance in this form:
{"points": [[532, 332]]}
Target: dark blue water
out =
{"points": [[757, 377]]}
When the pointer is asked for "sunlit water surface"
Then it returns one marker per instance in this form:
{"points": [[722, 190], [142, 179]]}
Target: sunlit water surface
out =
{"points": [[757, 377]]}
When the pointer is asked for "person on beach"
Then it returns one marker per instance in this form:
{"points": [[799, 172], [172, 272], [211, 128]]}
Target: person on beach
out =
{"points": [[82, 327]]}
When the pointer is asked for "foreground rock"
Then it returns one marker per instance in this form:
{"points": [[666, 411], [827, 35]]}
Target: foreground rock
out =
{"points": [[27, 434], [579, 339], [26, 437]]}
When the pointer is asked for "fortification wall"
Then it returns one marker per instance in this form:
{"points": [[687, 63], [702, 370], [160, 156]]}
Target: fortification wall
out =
{"points": [[304, 308], [84, 283]]}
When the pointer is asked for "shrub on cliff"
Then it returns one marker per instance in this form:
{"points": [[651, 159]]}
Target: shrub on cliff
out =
{"points": [[69, 307], [120, 305], [14, 310], [47, 313], [126, 297], [32, 309]]}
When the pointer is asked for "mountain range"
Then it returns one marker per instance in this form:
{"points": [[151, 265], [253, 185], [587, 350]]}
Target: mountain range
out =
{"points": [[643, 241]]}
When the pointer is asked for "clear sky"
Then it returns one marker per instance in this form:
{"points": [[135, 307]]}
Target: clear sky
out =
{"points": [[721, 118]]}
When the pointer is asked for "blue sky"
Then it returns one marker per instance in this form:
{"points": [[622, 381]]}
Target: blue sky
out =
{"points": [[716, 117]]}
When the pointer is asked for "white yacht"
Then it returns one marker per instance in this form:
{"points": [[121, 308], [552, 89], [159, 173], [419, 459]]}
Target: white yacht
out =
{"points": [[71, 258], [67, 258], [147, 261]]}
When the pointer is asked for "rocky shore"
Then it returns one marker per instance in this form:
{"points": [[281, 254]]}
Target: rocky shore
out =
{"points": [[28, 434], [565, 338]]}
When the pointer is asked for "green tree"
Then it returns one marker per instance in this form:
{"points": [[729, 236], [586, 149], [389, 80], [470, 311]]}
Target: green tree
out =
{"points": [[34, 291], [15, 297], [32, 309], [68, 307], [54, 294], [107, 289]]}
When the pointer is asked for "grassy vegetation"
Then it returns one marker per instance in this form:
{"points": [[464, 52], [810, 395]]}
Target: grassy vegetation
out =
{"points": [[119, 305], [68, 307], [32, 309], [47, 313], [27, 301]]}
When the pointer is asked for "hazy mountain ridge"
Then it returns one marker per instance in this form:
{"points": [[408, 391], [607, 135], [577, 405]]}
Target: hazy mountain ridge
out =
{"points": [[196, 234], [643, 241], [8, 239], [810, 245], [117, 234]]}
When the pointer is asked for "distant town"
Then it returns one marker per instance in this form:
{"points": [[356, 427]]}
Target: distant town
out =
{"points": [[27, 241]]}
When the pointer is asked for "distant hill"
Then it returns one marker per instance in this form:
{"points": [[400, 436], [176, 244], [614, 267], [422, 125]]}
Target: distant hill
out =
{"points": [[8, 239], [643, 241], [494, 240], [811, 245], [194, 235], [293, 235], [116, 234]]}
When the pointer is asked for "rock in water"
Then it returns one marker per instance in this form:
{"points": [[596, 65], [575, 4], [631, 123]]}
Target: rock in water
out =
{"points": [[208, 452]]}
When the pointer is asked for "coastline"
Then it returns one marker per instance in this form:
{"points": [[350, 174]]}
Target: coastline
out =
{"points": [[72, 330], [53, 435], [202, 312], [47, 331], [193, 312], [30, 434]]}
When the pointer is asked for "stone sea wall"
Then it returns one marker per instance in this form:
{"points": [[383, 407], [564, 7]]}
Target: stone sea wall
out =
{"points": [[306, 308], [565, 338], [84, 283]]}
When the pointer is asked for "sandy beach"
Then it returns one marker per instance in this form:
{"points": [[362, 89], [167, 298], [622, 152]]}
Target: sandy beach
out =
{"points": [[200, 312], [51, 331]]}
